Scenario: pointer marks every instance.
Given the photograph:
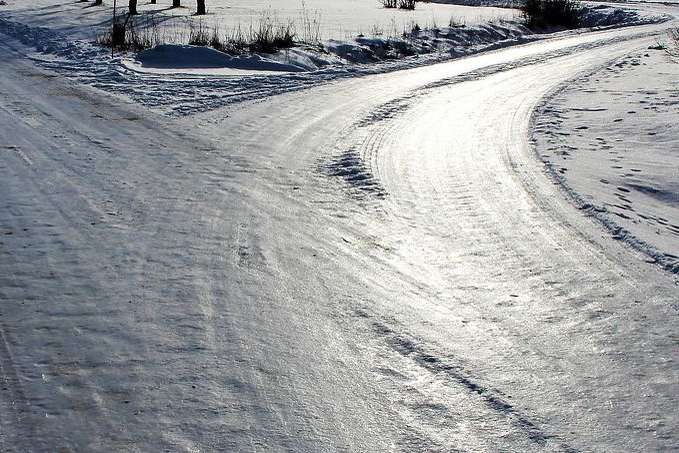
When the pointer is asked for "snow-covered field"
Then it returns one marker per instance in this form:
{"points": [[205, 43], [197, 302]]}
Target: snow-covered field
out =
{"points": [[347, 18], [612, 139], [364, 258], [336, 19]]}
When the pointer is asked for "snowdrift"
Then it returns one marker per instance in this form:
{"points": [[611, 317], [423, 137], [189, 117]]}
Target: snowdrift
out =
{"points": [[174, 56]]}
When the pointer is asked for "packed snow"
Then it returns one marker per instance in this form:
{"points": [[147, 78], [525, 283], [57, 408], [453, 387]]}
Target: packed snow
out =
{"points": [[363, 256], [612, 139]]}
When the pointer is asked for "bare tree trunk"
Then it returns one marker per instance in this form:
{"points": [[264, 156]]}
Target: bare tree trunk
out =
{"points": [[98, 2], [133, 7], [176, 3], [200, 4]]}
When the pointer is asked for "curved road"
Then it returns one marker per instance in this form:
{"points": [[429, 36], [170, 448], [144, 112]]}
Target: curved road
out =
{"points": [[377, 264]]}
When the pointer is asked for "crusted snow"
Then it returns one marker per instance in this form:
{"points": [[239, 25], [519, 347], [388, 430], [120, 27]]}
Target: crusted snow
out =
{"points": [[612, 139], [353, 259]]}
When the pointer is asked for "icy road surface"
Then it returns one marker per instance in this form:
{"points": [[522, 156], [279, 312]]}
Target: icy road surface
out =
{"points": [[376, 264]]}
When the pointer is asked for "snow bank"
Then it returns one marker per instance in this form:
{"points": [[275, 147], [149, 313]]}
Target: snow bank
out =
{"points": [[607, 16], [174, 56], [451, 40]]}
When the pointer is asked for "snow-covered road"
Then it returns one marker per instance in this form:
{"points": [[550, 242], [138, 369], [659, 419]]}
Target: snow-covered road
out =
{"points": [[375, 264]]}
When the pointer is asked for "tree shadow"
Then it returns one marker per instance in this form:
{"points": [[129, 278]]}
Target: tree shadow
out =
{"points": [[156, 11], [158, 20], [90, 5]]}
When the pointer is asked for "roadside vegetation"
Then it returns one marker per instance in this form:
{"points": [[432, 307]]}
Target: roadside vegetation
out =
{"points": [[546, 14], [136, 32], [401, 4], [270, 34]]}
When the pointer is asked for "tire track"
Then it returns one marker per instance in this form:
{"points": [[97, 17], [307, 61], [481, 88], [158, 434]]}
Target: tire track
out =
{"points": [[458, 375]]}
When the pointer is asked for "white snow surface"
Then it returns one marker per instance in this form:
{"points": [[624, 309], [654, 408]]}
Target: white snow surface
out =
{"points": [[337, 19], [612, 139], [341, 19], [181, 57], [63, 44], [354, 259]]}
